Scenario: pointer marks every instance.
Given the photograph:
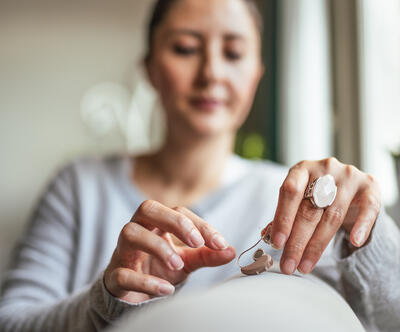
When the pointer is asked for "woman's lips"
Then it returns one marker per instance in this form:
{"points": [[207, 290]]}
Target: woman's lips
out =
{"points": [[206, 104]]}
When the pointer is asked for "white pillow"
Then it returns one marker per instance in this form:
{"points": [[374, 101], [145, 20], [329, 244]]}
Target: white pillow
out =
{"points": [[267, 302]]}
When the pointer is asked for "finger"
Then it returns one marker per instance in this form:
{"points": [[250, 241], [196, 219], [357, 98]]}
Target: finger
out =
{"points": [[135, 237], [306, 221], [213, 239], [331, 221], [290, 196], [266, 233], [124, 280], [152, 214], [203, 257], [369, 210]]}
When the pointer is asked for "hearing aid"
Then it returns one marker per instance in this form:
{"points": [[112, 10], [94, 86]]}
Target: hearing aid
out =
{"points": [[262, 261]]}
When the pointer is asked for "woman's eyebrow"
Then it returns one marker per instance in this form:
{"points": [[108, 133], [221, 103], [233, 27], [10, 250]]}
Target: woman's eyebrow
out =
{"points": [[233, 36]]}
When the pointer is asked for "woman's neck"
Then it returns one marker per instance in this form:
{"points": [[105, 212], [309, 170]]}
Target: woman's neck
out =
{"points": [[186, 168]]}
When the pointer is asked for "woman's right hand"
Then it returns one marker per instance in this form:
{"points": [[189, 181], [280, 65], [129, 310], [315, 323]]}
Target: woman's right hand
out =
{"points": [[146, 263]]}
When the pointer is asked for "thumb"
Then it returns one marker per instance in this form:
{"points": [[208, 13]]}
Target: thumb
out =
{"points": [[195, 258]]}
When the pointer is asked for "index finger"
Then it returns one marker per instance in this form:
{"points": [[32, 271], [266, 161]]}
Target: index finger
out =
{"points": [[290, 196], [212, 237], [151, 214]]}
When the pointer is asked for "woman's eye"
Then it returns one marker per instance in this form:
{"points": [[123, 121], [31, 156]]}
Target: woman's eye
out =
{"points": [[184, 50], [233, 55]]}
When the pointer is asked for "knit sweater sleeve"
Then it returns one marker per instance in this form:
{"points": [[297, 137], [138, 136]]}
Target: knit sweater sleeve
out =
{"points": [[36, 293], [370, 276]]}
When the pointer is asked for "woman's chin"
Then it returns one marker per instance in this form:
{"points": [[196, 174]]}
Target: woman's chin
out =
{"points": [[210, 122], [203, 123], [211, 126]]}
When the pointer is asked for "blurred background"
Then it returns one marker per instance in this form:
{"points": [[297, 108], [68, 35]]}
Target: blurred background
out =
{"points": [[72, 84]]}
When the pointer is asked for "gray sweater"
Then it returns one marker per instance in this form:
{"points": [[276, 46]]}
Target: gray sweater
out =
{"points": [[55, 279]]}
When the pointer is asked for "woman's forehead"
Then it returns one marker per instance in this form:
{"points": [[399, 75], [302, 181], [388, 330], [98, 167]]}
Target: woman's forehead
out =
{"points": [[229, 18]]}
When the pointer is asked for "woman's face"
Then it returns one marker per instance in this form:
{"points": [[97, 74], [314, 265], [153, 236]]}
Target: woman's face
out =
{"points": [[206, 65]]}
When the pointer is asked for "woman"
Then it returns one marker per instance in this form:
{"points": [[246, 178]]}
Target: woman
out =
{"points": [[81, 263]]}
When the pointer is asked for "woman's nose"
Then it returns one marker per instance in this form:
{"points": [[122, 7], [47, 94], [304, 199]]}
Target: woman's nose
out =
{"points": [[211, 68]]}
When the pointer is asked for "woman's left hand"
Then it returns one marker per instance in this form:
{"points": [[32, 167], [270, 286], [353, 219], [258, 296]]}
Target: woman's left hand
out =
{"points": [[304, 231]]}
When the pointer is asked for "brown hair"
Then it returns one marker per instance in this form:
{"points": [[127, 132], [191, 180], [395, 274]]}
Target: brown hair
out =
{"points": [[161, 8]]}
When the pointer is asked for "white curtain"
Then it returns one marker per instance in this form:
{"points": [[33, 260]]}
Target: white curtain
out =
{"points": [[380, 91], [304, 81]]}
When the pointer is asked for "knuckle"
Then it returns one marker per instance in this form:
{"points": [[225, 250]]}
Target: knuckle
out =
{"points": [[291, 188], [157, 246], [162, 248], [307, 213], [179, 209], [315, 250], [283, 223], [147, 284], [334, 216], [372, 202], [202, 225], [146, 207], [297, 166], [208, 229], [183, 222], [330, 163], [300, 167], [294, 248], [120, 277], [155, 242], [301, 163], [350, 170], [371, 178], [373, 183], [128, 230], [208, 232]]}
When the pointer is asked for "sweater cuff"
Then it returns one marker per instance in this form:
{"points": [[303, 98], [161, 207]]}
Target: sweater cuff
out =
{"points": [[366, 261], [111, 308]]}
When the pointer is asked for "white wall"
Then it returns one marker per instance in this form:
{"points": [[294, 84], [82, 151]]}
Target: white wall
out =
{"points": [[51, 52]]}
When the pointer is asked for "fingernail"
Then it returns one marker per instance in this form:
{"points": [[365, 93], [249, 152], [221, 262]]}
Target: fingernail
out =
{"points": [[175, 262], [289, 265], [305, 267], [219, 242], [279, 240], [196, 239], [359, 236], [165, 289]]}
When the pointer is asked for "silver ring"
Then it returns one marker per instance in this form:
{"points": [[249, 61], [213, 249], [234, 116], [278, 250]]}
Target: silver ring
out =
{"points": [[322, 191]]}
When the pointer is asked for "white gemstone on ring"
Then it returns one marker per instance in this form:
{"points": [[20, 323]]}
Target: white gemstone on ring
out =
{"points": [[323, 191]]}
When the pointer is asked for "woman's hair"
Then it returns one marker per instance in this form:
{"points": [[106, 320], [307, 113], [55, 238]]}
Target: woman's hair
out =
{"points": [[162, 7]]}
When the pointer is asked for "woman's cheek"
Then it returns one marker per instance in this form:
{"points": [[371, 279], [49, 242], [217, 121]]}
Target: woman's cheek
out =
{"points": [[244, 85], [177, 75]]}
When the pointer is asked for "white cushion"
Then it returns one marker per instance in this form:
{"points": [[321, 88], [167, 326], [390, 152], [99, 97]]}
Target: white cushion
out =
{"points": [[267, 302]]}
